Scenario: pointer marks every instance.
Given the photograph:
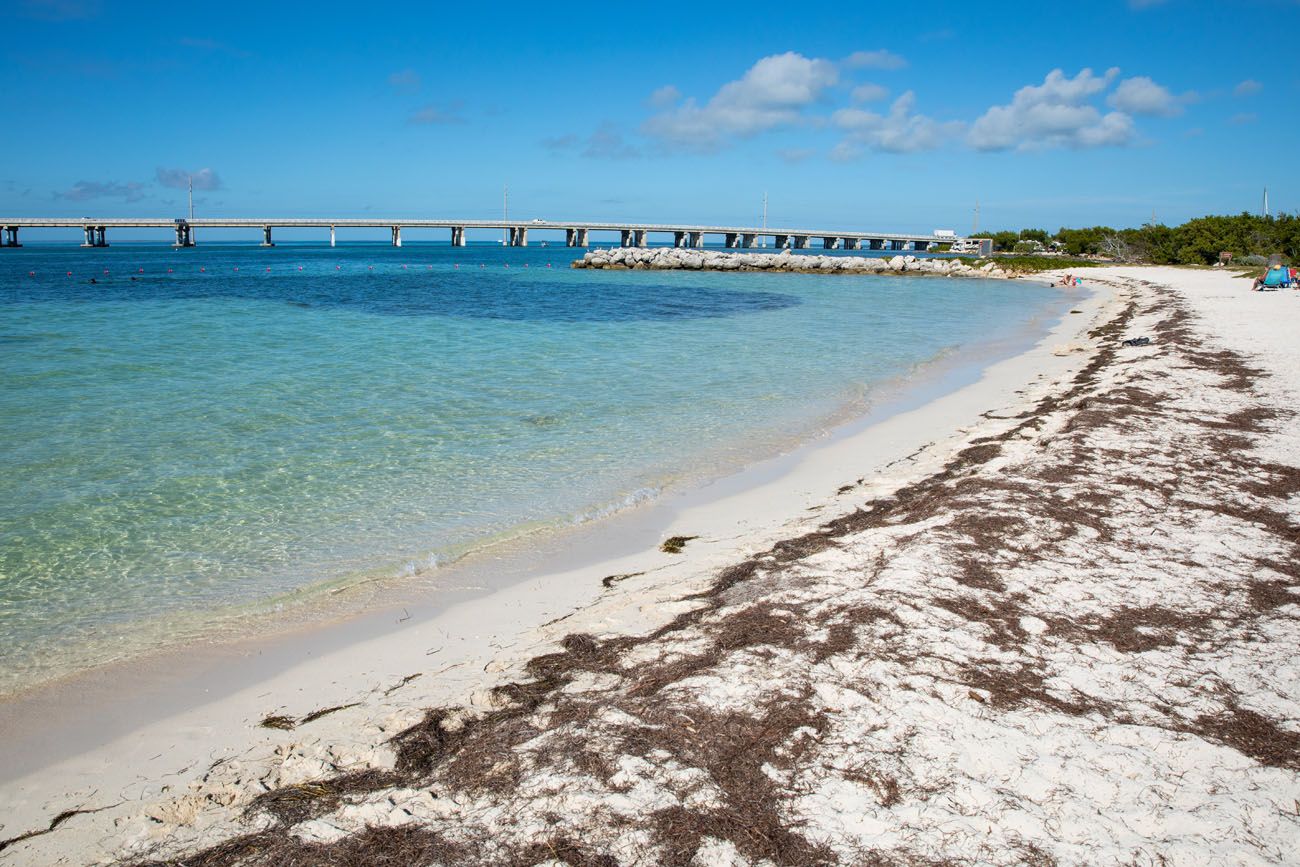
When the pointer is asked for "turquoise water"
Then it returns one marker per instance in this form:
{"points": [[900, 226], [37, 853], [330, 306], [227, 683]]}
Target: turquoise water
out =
{"points": [[193, 433]]}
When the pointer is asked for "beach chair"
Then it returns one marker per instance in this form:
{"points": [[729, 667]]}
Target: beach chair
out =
{"points": [[1277, 278]]}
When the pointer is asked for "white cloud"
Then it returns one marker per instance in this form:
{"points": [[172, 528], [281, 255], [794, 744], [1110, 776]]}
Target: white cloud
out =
{"points": [[900, 131], [772, 93], [179, 179], [1248, 87], [1141, 95], [869, 93], [879, 59], [1056, 113]]}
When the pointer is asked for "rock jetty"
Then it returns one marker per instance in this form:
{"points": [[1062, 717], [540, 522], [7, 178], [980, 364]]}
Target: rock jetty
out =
{"points": [[677, 259]]}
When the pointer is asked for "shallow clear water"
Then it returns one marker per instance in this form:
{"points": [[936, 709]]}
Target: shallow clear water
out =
{"points": [[193, 431]]}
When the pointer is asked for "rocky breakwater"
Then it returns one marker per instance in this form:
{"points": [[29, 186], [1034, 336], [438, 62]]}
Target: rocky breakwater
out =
{"points": [[676, 259]]}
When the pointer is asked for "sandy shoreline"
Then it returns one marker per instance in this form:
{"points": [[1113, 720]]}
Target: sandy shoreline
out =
{"points": [[228, 761]]}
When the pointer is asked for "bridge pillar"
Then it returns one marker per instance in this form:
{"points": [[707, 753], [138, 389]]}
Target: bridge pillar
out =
{"points": [[852, 243], [266, 237], [695, 239], [801, 242], [731, 240], [458, 236], [830, 243], [625, 237], [184, 235], [397, 236], [748, 241], [331, 236], [679, 239], [638, 237], [781, 242], [875, 244], [897, 245], [570, 237], [583, 240], [519, 237], [10, 237]]}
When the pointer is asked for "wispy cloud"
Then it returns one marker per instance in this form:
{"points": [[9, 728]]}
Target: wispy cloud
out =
{"points": [[433, 115], [881, 58], [179, 179], [60, 10], [869, 93], [565, 142], [793, 156], [772, 93], [664, 97], [83, 191], [213, 46], [405, 79], [1248, 87], [606, 142]]}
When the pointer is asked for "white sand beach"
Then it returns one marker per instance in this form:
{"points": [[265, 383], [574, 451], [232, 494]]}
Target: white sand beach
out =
{"points": [[1051, 617]]}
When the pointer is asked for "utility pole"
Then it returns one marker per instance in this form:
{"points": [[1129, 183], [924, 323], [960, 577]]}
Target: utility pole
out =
{"points": [[505, 212], [1266, 201], [976, 230], [763, 240], [191, 177]]}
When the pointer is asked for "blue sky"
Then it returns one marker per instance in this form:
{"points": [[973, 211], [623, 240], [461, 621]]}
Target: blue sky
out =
{"points": [[871, 116]]}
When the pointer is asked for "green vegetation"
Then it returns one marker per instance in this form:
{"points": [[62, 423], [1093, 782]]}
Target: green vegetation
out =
{"points": [[1196, 242], [1034, 264]]}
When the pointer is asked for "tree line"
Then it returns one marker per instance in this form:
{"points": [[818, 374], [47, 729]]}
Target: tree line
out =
{"points": [[1196, 242]]}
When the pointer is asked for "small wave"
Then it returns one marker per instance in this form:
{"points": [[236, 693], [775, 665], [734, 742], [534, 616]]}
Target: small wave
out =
{"points": [[412, 568], [636, 498]]}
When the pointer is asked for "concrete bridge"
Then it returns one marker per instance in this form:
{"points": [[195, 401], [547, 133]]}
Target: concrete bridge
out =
{"points": [[515, 232]]}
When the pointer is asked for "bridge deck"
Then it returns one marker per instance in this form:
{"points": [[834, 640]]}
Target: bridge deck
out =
{"points": [[533, 225]]}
